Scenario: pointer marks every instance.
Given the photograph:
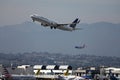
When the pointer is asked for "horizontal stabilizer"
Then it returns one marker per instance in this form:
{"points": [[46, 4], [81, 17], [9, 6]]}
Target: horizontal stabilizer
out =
{"points": [[78, 29]]}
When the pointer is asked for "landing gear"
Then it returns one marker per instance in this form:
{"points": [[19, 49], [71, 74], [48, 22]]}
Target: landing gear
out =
{"points": [[52, 27]]}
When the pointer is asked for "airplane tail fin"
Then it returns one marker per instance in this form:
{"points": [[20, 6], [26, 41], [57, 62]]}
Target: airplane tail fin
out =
{"points": [[76, 21], [38, 72], [84, 45], [6, 74], [66, 73]]}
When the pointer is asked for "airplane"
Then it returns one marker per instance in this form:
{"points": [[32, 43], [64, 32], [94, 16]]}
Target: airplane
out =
{"points": [[48, 23], [66, 76], [7, 76], [80, 47]]}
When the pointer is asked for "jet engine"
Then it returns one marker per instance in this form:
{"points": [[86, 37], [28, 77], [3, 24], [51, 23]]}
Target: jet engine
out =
{"points": [[44, 24]]}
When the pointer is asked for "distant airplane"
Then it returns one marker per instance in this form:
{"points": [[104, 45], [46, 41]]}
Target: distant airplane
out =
{"points": [[48, 23], [80, 47], [8, 76]]}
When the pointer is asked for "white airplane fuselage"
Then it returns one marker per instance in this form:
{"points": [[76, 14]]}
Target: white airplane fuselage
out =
{"points": [[48, 23], [66, 28], [80, 47]]}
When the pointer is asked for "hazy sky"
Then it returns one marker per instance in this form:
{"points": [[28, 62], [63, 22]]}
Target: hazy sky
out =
{"points": [[89, 11]]}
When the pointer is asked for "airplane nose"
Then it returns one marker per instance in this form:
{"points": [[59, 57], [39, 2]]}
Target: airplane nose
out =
{"points": [[32, 16]]}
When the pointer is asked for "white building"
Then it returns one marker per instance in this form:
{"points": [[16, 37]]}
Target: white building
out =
{"points": [[52, 69]]}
